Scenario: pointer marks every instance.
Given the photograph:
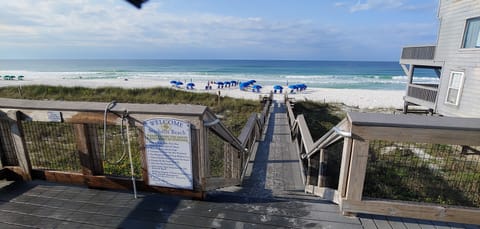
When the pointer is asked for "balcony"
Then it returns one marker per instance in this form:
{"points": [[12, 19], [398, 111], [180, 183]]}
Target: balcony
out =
{"points": [[419, 55], [422, 94]]}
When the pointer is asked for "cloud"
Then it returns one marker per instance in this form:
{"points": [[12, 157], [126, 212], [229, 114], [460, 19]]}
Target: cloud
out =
{"points": [[106, 29], [376, 4], [364, 5], [98, 24]]}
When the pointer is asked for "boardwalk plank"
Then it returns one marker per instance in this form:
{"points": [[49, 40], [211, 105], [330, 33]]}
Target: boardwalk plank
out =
{"points": [[411, 223], [367, 222], [381, 222], [396, 222]]}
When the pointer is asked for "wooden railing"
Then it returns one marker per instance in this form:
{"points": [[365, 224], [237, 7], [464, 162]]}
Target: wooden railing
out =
{"points": [[419, 52], [62, 142], [423, 92], [361, 134]]}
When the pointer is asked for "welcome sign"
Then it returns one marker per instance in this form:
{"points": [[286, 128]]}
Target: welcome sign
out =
{"points": [[168, 152]]}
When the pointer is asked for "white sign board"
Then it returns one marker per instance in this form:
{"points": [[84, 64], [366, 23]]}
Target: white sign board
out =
{"points": [[54, 116], [169, 153]]}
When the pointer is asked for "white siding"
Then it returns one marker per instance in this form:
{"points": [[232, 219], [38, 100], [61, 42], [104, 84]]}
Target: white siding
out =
{"points": [[453, 16]]}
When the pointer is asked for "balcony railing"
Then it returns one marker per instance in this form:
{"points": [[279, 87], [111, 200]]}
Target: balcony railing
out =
{"points": [[423, 92], [419, 52]]}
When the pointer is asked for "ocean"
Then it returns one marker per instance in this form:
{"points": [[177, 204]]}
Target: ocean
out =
{"points": [[317, 74]]}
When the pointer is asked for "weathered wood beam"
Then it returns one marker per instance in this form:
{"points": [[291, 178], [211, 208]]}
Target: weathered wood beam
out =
{"points": [[20, 145], [412, 210], [110, 182]]}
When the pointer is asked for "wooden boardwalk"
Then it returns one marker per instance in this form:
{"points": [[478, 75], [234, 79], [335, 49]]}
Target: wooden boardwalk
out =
{"points": [[271, 197]]}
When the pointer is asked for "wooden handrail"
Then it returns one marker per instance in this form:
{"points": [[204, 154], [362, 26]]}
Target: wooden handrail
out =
{"points": [[305, 133], [247, 129], [291, 116]]}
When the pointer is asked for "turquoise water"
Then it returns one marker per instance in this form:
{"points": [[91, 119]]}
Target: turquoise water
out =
{"points": [[319, 74]]}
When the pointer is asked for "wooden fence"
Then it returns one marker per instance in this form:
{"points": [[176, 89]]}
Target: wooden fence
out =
{"points": [[359, 135], [62, 142]]}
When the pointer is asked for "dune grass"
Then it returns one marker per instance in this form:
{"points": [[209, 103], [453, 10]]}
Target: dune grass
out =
{"points": [[234, 111]]}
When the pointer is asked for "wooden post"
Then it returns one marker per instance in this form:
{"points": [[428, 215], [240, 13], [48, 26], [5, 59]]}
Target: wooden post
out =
{"points": [[227, 161], [236, 163], [312, 170], [143, 154], [196, 148], [20, 145], [88, 150], [83, 148], [356, 174], [322, 169], [344, 167]]}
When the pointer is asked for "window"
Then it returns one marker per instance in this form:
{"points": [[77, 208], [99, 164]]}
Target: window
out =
{"points": [[454, 88], [472, 33]]}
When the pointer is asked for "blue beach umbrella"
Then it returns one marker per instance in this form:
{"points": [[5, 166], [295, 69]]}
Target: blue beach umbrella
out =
{"points": [[244, 85], [190, 85], [173, 82], [256, 88], [233, 82], [293, 87], [179, 83], [277, 87]]}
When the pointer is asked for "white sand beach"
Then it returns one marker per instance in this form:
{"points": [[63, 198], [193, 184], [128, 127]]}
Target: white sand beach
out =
{"points": [[351, 97]]}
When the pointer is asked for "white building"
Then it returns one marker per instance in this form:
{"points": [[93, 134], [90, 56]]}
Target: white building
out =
{"points": [[455, 59]]}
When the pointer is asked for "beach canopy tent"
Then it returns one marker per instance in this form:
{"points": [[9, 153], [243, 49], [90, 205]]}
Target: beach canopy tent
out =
{"points": [[277, 88], [244, 85], [20, 77], [293, 86], [190, 85], [302, 86], [256, 88], [233, 82]]}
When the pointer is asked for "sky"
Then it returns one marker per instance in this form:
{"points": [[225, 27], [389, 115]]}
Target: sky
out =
{"points": [[215, 29]]}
